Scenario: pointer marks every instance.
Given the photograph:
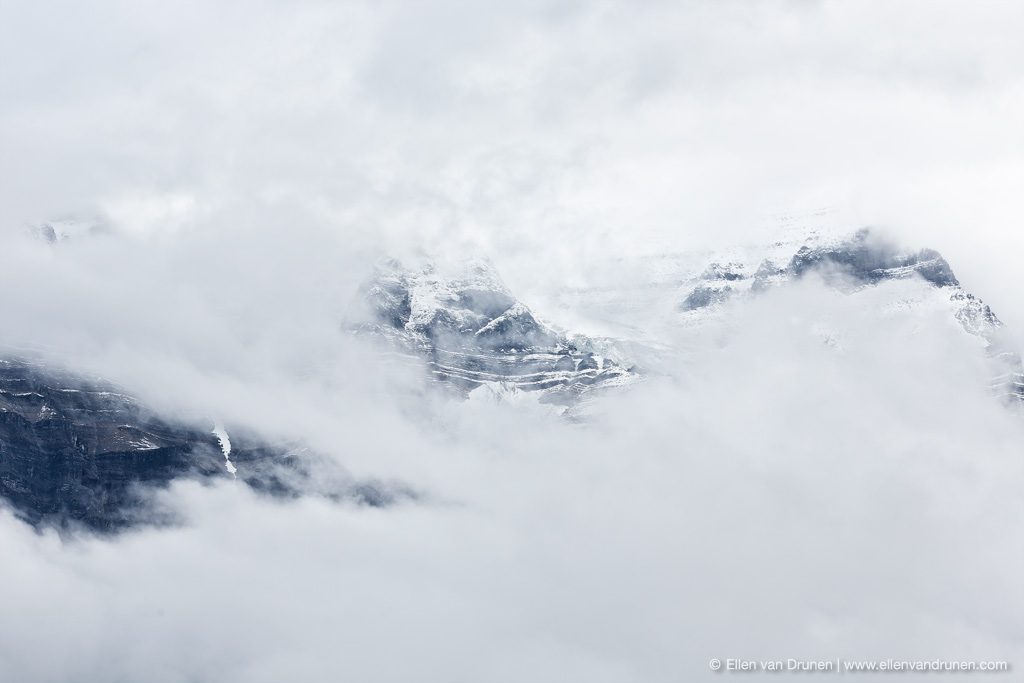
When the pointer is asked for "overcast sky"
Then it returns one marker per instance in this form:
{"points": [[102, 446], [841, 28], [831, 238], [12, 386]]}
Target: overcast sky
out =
{"points": [[522, 128], [252, 156]]}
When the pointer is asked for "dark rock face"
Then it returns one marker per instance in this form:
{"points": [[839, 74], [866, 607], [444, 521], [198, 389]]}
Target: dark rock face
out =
{"points": [[79, 452], [471, 331]]}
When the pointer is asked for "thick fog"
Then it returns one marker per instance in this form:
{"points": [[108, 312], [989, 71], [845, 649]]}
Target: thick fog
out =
{"points": [[819, 474], [775, 496]]}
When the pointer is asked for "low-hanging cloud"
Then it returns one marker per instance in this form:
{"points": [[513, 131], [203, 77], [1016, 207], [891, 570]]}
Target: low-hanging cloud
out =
{"points": [[856, 496], [818, 474]]}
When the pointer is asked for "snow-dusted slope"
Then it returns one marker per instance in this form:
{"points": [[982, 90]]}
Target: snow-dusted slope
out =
{"points": [[690, 290], [861, 260], [472, 331]]}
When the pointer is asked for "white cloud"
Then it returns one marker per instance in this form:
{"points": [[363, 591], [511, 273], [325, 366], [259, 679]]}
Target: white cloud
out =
{"points": [[777, 498], [770, 496]]}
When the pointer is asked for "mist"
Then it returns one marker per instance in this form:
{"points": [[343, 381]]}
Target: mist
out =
{"points": [[816, 474], [852, 501]]}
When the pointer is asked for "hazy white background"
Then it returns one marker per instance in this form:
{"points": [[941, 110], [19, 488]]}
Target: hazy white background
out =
{"points": [[784, 500]]}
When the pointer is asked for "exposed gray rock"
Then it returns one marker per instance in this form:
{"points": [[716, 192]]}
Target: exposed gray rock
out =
{"points": [[868, 260], [728, 272], [74, 451], [470, 330], [703, 296], [863, 260]]}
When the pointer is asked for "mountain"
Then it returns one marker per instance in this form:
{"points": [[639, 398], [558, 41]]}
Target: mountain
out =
{"points": [[472, 331], [80, 451], [75, 450], [865, 259]]}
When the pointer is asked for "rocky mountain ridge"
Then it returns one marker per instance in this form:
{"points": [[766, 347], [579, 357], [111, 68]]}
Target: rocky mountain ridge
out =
{"points": [[472, 331], [79, 451], [864, 259]]}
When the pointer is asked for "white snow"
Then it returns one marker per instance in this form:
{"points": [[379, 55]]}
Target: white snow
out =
{"points": [[225, 447], [516, 310]]}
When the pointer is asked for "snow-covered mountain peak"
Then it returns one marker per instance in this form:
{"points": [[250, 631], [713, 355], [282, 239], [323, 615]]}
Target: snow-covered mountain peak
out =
{"points": [[471, 330]]}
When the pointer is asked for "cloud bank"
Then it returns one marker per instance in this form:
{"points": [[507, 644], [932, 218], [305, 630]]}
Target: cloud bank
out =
{"points": [[764, 494], [858, 501]]}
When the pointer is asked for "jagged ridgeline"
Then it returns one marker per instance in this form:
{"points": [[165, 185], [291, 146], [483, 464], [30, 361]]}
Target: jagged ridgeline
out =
{"points": [[864, 260], [81, 451], [472, 331], [74, 450]]}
